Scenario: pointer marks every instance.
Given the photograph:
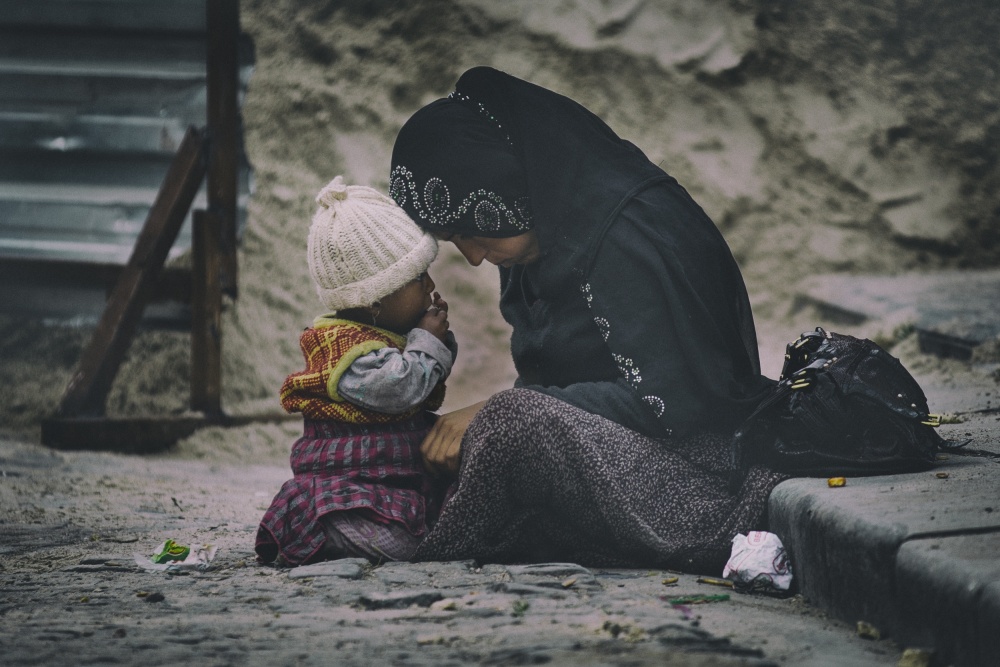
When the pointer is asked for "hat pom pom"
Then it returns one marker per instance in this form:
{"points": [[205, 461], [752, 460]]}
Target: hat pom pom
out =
{"points": [[334, 191]]}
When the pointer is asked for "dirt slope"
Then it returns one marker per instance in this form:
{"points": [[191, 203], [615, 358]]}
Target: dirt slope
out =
{"points": [[861, 138]]}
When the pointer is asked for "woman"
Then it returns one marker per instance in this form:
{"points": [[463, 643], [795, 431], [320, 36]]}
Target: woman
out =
{"points": [[632, 338]]}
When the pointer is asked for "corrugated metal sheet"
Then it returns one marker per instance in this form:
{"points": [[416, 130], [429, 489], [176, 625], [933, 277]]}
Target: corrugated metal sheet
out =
{"points": [[95, 96]]}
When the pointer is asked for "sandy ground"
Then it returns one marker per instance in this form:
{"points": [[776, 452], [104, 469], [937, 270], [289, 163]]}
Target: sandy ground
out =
{"points": [[72, 522], [70, 586]]}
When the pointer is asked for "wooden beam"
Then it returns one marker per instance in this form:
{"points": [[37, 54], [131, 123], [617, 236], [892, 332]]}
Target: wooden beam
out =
{"points": [[223, 24], [206, 314], [140, 435], [174, 283], [88, 388], [133, 435]]}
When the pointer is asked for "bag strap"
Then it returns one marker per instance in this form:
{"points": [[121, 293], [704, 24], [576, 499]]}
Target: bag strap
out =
{"points": [[798, 352]]}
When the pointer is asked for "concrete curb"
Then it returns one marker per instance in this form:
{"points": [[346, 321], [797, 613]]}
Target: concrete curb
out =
{"points": [[915, 555], [950, 590]]}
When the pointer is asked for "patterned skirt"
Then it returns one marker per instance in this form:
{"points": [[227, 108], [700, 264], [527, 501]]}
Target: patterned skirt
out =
{"points": [[374, 472], [542, 480]]}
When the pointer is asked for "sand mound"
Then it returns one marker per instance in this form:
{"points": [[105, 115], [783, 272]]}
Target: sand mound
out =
{"points": [[860, 138]]}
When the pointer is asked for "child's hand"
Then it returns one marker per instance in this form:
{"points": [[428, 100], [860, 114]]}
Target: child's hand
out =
{"points": [[435, 320], [439, 302]]}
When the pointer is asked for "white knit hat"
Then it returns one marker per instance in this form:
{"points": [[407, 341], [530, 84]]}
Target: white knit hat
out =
{"points": [[363, 247]]}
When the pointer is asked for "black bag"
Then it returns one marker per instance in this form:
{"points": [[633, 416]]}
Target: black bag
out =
{"points": [[843, 406]]}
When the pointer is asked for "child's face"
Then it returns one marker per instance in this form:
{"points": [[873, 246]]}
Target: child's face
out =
{"points": [[401, 310]]}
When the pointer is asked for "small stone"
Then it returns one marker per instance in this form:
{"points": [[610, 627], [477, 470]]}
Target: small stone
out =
{"points": [[402, 574], [444, 605], [519, 608], [527, 589], [915, 657], [102, 567], [479, 612], [284, 193], [868, 631], [548, 569], [400, 600], [345, 568], [430, 640]]}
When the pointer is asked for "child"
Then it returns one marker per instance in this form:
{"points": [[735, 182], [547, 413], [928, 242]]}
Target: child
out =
{"points": [[375, 367]]}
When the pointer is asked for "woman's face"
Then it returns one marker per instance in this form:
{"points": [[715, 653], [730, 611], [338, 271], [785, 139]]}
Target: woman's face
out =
{"points": [[507, 251]]}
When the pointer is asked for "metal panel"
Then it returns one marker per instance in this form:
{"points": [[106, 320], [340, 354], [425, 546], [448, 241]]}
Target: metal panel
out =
{"points": [[95, 96]]}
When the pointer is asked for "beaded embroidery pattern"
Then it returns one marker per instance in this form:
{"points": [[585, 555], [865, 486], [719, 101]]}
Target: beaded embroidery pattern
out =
{"points": [[489, 210], [459, 97], [626, 366]]}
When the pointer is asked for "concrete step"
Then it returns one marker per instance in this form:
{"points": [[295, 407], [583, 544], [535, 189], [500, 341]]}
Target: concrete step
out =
{"points": [[901, 552], [951, 589], [954, 312]]}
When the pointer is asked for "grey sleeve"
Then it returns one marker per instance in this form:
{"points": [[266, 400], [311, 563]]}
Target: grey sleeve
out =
{"points": [[391, 381]]}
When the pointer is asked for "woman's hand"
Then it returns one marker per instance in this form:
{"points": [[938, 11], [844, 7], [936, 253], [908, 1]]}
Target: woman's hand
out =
{"points": [[442, 447]]}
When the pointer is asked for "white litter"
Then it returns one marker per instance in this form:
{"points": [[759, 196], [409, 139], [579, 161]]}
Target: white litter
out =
{"points": [[199, 560], [759, 564]]}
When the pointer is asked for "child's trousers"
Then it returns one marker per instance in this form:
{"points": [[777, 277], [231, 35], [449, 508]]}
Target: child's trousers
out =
{"points": [[352, 534]]}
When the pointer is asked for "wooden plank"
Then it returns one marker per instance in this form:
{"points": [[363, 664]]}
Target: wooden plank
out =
{"points": [[89, 386], [174, 283], [141, 435], [206, 314], [222, 61], [137, 435]]}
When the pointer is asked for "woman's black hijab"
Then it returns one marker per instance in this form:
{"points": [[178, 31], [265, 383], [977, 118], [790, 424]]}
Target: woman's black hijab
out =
{"points": [[534, 157], [501, 156]]}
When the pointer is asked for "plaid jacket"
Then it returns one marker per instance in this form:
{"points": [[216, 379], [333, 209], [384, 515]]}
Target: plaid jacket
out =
{"points": [[329, 351]]}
